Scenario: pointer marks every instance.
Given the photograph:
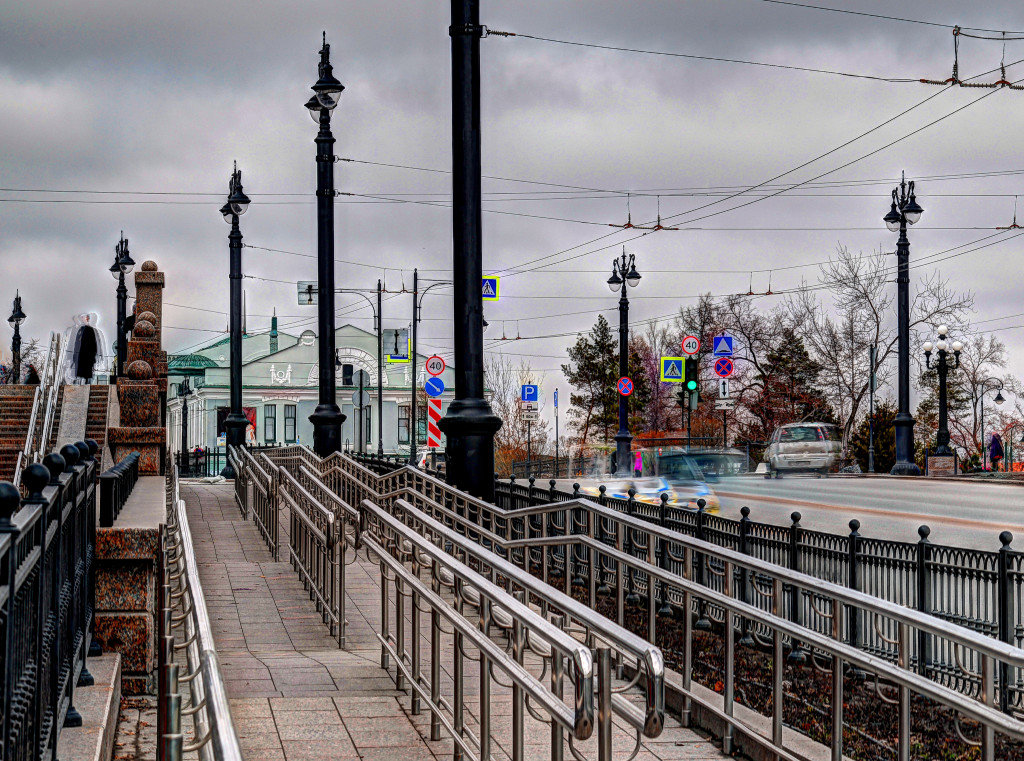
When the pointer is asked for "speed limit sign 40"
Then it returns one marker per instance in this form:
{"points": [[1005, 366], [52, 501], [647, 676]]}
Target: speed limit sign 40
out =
{"points": [[435, 365], [691, 345]]}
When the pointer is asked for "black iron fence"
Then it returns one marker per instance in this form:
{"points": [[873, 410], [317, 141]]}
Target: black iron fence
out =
{"points": [[47, 546], [203, 462], [980, 590], [116, 485]]}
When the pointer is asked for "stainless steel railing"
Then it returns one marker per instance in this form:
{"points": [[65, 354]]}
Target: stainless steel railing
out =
{"points": [[598, 551], [36, 438], [186, 645]]}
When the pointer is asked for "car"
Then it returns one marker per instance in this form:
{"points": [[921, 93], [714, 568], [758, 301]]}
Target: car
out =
{"points": [[645, 489], [431, 460], [686, 479], [811, 447]]}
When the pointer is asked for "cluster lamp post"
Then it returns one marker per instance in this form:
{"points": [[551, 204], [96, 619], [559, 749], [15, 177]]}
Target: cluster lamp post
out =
{"points": [[123, 265], [942, 367], [236, 422], [623, 273], [17, 317], [327, 417], [904, 211], [469, 424]]}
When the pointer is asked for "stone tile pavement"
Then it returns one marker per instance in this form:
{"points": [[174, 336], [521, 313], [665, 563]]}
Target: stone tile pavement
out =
{"points": [[295, 696]]}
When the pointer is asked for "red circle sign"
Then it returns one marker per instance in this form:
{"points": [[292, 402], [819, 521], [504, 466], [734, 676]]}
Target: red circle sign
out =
{"points": [[435, 365], [691, 345], [625, 386], [723, 367]]}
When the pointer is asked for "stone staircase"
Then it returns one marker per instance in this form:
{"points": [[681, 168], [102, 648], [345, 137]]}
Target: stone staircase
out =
{"points": [[96, 421], [51, 445], [15, 411]]}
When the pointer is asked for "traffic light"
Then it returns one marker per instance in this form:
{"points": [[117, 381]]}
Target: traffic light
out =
{"points": [[691, 381]]}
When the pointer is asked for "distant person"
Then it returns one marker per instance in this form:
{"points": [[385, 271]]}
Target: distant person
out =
{"points": [[995, 452], [32, 376]]}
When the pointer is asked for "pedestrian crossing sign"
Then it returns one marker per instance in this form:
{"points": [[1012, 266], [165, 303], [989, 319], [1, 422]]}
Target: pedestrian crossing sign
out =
{"points": [[672, 369], [490, 288]]}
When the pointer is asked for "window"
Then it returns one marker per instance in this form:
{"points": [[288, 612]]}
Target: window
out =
{"points": [[421, 424], [270, 423], [403, 423], [289, 423], [346, 375]]}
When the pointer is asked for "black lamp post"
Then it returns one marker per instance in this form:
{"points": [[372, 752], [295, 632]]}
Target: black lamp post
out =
{"points": [[469, 424], [184, 392], [623, 273], [417, 315], [327, 417], [905, 210], [17, 317], [123, 265], [236, 421], [942, 367], [989, 384]]}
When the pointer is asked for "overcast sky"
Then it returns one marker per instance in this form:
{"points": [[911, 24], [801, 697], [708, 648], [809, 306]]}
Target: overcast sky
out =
{"points": [[161, 97]]}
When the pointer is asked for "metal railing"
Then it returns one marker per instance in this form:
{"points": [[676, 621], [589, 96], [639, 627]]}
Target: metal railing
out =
{"points": [[116, 485], [622, 564], [47, 550], [182, 609], [37, 435]]}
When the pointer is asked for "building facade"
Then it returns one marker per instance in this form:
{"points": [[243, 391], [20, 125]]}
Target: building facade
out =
{"points": [[279, 391]]}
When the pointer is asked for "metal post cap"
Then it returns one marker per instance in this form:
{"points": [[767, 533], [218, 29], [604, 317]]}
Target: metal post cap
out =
{"points": [[83, 450], [71, 456], [36, 477], [55, 464], [10, 502]]}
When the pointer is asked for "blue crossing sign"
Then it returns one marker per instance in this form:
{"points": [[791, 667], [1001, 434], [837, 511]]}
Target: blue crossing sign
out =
{"points": [[672, 369], [434, 386], [490, 286], [722, 346], [530, 392]]}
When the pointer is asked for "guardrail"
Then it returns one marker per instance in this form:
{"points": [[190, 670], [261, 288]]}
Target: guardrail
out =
{"points": [[47, 546], [116, 485], [679, 588], [45, 394], [182, 608]]}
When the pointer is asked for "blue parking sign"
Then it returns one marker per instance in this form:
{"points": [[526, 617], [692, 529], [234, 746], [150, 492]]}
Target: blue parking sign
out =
{"points": [[530, 392]]}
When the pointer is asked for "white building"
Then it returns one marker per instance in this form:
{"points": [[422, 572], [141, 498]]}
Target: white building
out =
{"points": [[280, 390]]}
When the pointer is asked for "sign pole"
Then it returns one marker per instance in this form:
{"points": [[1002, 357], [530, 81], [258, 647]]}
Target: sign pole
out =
{"points": [[725, 438], [689, 421], [362, 411], [556, 439], [529, 450], [413, 359]]}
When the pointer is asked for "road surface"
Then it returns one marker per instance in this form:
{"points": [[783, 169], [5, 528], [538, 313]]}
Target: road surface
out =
{"points": [[965, 514]]}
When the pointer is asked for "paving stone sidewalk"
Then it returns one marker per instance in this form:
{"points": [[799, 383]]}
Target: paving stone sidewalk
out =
{"points": [[295, 696]]}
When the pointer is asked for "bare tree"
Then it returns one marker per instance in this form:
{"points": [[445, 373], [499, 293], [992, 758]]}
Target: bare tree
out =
{"points": [[861, 312], [983, 358], [516, 437]]}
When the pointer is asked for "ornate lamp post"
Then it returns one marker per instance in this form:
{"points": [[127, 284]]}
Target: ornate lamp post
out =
{"points": [[905, 210], [623, 273], [989, 384], [327, 417], [942, 367], [17, 317], [236, 421], [123, 265], [469, 424], [184, 392]]}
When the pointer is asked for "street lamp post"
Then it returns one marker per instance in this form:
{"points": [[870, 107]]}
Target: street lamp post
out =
{"points": [[989, 384], [17, 317], [377, 316], [184, 392], [623, 273], [942, 367], [905, 210], [469, 424], [123, 265], [327, 417], [236, 422]]}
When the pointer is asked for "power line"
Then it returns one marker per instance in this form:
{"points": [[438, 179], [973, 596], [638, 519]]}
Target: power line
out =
{"points": [[883, 17]]}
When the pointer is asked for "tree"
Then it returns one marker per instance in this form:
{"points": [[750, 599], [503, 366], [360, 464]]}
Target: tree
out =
{"points": [[885, 438], [516, 437], [592, 372], [639, 402]]}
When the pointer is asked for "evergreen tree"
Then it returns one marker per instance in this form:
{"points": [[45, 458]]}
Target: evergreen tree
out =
{"points": [[885, 438], [592, 372]]}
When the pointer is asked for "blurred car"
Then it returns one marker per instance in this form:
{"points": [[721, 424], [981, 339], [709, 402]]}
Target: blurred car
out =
{"points": [[719, 463], [803, 448], [646, 489], [687, 479]]}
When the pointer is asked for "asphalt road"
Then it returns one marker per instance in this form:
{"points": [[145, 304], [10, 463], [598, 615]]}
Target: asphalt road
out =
{"points": [[963, 514]]}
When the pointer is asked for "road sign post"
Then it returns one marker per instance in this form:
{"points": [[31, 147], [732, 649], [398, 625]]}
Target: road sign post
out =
{"points": [[723, 367], [435, 365], [625, 386], [556, 433], [672, 369], [434, 386], [490, 287], [722, 346], [691, 345], [530, 392]]}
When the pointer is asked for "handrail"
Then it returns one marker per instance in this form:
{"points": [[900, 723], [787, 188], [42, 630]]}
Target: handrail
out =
{"points": [[215, 733], [374, 518], [30, 451], [622, 641]]}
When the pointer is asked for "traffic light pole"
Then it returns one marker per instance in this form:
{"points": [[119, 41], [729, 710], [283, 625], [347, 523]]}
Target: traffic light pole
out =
{"points": [[725, 431]]}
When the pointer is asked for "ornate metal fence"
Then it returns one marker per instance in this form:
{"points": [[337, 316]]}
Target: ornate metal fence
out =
{"points": [[47, 548]]}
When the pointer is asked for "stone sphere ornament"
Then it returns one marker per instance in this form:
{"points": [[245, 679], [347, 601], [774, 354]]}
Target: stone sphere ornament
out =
{"points": [[140, 370]]}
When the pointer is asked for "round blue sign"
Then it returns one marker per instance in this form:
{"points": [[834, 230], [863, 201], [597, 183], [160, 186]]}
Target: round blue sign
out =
{"points": [[434, 386]]}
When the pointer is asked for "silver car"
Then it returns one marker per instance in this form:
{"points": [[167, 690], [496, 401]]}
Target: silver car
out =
{"points": [[803, 447]]}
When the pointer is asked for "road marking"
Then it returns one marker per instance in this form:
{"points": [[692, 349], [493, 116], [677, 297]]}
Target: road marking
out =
{"points": [[965, 522]]}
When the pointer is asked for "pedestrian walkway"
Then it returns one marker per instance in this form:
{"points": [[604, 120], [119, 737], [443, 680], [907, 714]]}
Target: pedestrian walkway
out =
{"points": [[295, 695]]}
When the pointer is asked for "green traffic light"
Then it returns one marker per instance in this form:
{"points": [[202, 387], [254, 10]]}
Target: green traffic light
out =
{"points": [[691, 385]]}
